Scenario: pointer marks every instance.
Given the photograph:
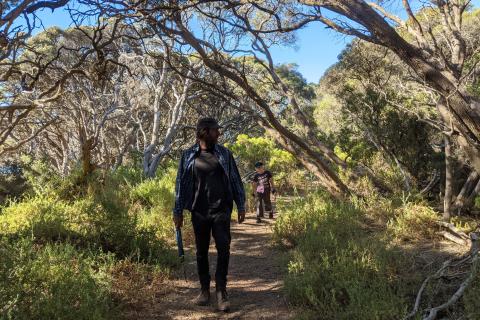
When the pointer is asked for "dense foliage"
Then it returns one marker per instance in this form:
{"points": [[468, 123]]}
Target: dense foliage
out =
{"points": [[343, 267], [64, 241]]}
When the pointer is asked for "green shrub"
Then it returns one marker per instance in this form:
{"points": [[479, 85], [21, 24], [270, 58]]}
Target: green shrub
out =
{"points": [[61, 244], [470, 298], [11, 186], [281, 162], [158, 192], [127, 175], [40, 217], [477, 202], [303, 214], [104, 221], [41, 178], [152, 201], [53, 282], [338, 268], [413, 221], [465, 223], [156, 221], [101, 220]]}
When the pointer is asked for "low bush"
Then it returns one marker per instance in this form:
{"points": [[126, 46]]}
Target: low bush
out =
{"points": [[12, 186], [413, 221], [54, 281], [39, 217], [88, 222], [64, 242], [308, 213], [338, 268], [470, 299], [158, 192]]}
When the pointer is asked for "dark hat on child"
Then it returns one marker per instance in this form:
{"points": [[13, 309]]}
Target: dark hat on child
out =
{"points": [[258, 164]]}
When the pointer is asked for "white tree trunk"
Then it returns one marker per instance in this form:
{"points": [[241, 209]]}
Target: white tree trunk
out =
{"points": [[151, 160], [447, 200]]}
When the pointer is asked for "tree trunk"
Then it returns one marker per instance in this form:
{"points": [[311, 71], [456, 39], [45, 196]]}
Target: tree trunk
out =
{"points": [[390, 157], [471, 198], [176, 114], [447, 200], [431, 184], [86, 145], [467, 189], [472, 153], [65, 157], [152, 169], [87, 165]]}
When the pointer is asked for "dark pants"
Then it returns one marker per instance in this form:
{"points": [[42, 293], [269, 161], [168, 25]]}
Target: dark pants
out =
{"points": [[263, 203], [217, 225]]}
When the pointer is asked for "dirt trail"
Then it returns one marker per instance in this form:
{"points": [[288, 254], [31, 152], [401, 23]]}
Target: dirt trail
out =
{"points": [[255, 281]]}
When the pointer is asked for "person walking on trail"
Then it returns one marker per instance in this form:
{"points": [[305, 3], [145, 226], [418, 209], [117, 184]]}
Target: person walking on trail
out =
{"points": [[207, 183], [262, 187]]}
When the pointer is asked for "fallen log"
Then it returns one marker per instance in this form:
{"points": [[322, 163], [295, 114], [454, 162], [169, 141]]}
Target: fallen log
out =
{"points": [[453, 238], [453, 229]]}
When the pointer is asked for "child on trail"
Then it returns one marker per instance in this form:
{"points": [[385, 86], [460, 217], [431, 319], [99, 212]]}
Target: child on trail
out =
{"points": [[262, 187]]}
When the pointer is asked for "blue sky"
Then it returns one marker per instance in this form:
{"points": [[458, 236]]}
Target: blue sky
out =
{"points": [[317, 48]]}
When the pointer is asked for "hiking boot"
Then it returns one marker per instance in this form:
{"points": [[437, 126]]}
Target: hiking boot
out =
{"points": [[222, 301], [203, 298], [270, 215], [259, 220]]}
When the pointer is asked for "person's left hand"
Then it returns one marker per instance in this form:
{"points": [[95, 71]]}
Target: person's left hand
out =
{"points": [[241, 217]]}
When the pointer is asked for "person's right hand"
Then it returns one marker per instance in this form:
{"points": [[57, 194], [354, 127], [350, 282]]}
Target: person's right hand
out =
{"points": [[241, 216], [178, 221]]}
